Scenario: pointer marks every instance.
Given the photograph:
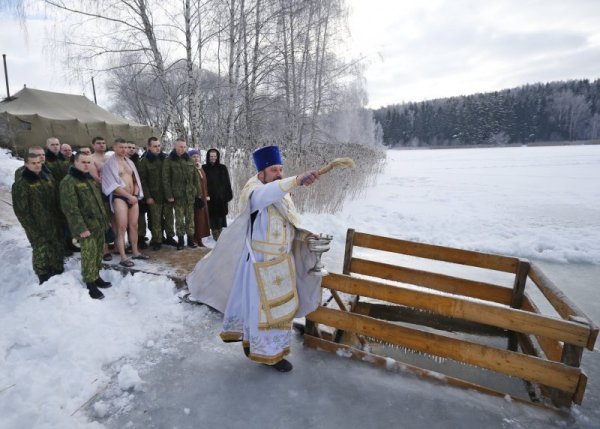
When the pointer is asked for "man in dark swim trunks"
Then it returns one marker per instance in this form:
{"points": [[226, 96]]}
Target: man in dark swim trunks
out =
{"points": [[120, 180]]}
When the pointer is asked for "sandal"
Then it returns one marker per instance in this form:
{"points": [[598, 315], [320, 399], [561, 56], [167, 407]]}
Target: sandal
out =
{"points": [[141, 256], [126, 263], [107, 257]]}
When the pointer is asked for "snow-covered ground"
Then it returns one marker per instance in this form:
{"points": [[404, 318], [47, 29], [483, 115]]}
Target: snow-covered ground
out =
{"points": [[140, 358]]}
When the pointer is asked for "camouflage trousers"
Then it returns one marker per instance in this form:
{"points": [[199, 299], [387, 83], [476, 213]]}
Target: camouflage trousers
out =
{"points": [[156, 215], [184, 218], [48, 257], [91, 256]]}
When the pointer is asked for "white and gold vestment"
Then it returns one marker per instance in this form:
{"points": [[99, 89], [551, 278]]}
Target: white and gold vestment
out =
{"points": [[257, 273]]}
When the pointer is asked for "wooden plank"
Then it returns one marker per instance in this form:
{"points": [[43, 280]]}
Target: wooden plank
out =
{"points": [[439, 253], [529, 368], [578, 396], [348, 250], [391, 364], [441, 282], [519, 284], [561, 303], [494, 315], [401, 313], [551, 348]]}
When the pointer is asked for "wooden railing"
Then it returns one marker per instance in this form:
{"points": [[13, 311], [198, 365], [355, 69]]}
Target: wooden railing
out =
{"points": [[542, 349]]}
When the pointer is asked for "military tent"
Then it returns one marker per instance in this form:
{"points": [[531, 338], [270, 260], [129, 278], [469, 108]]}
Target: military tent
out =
{"points": [[33, 115]]}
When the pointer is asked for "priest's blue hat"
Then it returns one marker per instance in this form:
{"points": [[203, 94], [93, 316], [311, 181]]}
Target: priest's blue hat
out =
{"points": [[266, 156]]}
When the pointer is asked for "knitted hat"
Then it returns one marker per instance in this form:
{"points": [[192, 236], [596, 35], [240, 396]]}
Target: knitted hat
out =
{"points": [[193, 152]]}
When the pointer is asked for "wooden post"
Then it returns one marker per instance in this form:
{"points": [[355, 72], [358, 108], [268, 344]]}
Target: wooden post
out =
{"points": [[513, 341], [518, 293], [571, 356], [519, 284], [348, 251]]}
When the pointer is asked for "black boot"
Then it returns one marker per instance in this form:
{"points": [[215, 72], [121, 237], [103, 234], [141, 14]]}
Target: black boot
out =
{"points": [[282, 366], [156, 246], [170, 241], [191, 242], [102, 283], [94, 292], [180, 244], [44, 277], [142, 244]]}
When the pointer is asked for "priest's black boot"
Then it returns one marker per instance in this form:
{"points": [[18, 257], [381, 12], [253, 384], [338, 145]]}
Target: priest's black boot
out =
{"points": [[282, 366], [94, 292], [180, 244]]}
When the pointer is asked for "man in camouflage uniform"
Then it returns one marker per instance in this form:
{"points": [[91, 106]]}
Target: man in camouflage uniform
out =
{"points": [[151, 176], [181, 187], [83, 207], [36, 150], [67, 152], [55, 160], [36, 205]]}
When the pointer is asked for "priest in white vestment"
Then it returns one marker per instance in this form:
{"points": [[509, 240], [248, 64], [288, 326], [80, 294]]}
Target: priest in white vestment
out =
{"points": [[258, 271]]}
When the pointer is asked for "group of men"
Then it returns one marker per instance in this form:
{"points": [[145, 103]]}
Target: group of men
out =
{"points": [[95, 199]]}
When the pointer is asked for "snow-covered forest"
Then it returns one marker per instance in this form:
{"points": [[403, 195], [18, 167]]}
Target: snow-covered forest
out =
{"points": [[226, 73], [556, 111], [230, 74]]}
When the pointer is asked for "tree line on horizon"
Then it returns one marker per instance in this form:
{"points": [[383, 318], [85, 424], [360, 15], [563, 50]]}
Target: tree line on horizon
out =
{"points": [[554, 111]]}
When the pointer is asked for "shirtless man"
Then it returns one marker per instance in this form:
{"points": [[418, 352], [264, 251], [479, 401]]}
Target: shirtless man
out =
{"points": [[121, 182], [98, 158]]}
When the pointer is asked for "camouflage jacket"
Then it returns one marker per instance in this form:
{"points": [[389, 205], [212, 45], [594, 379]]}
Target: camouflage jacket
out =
{"points": [[57, 164], [180, 178], [82, 204], [150, 171], [36, 205], [19, 172]]}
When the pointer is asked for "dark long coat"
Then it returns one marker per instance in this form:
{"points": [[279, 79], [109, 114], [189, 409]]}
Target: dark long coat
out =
{"points": [[219, 187]]}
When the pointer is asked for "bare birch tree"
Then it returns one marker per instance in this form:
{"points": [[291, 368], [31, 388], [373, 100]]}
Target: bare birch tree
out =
{"points": [[231, 74]]}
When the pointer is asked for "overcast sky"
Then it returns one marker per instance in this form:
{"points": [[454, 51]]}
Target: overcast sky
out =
{"points": [[414, 50]]}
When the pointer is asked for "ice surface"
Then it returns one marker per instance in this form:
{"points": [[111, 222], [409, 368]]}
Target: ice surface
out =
{"points": [[61, 353]]}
